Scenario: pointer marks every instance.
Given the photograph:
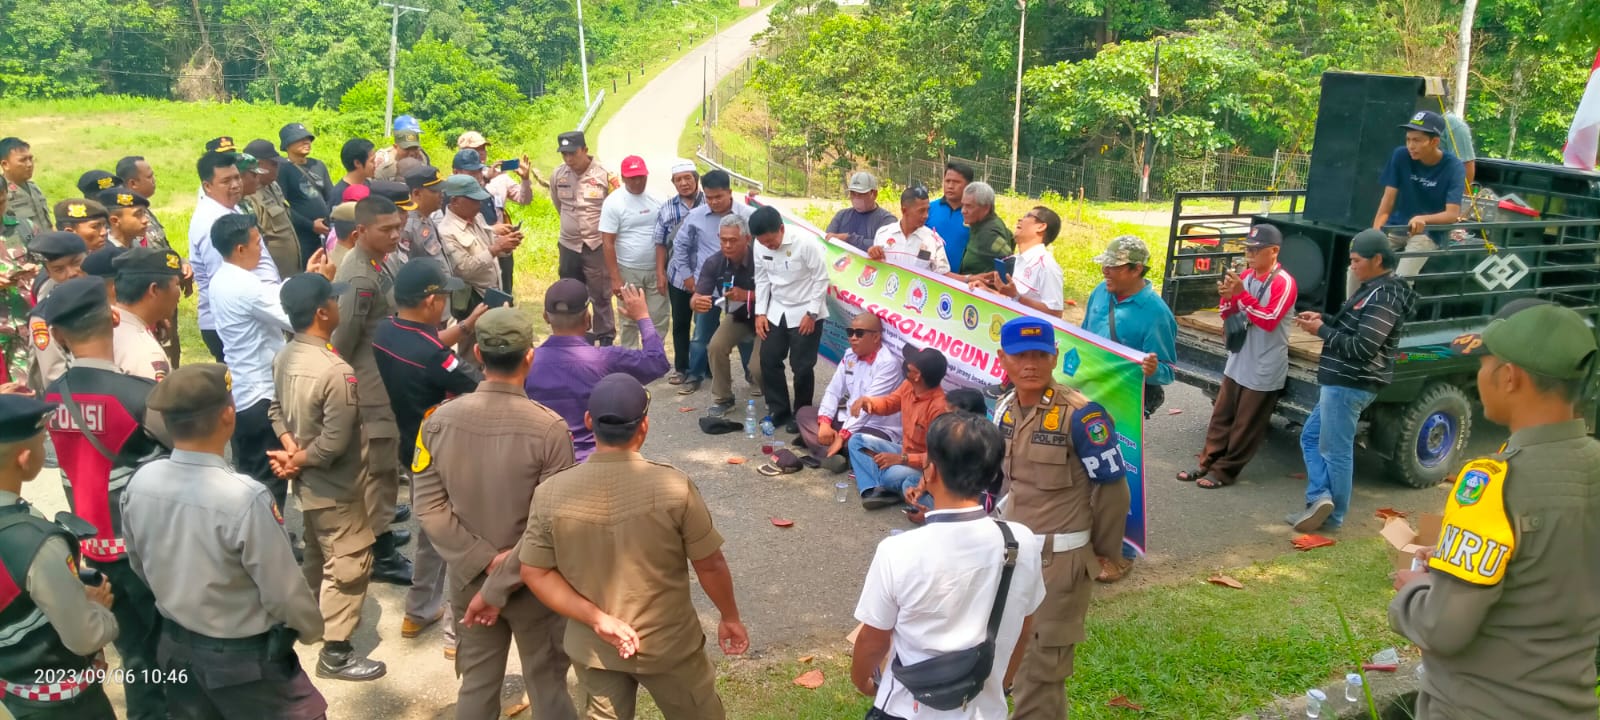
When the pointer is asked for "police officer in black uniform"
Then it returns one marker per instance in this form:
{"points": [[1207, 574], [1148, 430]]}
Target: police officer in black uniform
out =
{"points": [[46, 668]]}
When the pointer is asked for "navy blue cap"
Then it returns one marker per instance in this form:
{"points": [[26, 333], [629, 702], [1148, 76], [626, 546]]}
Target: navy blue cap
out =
{"points": [[73, 298], [57, 244], [618, 399], [102, 263], [467, 159], [92, 182], [1426, 121], [1019, 335], [22, 417]]}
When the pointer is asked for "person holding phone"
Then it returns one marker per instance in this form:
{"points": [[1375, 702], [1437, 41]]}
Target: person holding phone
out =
{"points": [[1032, 276]]}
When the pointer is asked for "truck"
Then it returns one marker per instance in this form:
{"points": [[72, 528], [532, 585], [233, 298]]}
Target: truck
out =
{"points": [[1546, 246]]}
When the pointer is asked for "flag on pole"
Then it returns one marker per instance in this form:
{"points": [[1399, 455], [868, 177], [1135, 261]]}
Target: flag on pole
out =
{"points": [[1583, 140]]}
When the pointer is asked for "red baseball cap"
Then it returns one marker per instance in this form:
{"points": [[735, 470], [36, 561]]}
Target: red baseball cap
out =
{"points": [[633, 166]]}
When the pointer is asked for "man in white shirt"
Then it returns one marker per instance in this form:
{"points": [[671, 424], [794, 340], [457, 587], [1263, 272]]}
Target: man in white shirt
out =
{"points": [[627, 235], [1036, 279], [911, 243], [929, 592], [791, 288], [866, 370], [221, 188]]}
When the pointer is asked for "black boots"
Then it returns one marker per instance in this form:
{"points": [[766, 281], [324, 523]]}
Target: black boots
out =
{"points": [[388, 565], [338, 661]]}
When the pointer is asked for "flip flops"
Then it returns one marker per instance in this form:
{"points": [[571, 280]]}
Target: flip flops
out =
{"points": [[783, 462]]}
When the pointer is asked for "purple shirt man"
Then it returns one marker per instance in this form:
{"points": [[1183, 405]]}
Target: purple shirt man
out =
{"points": [[566, 367]]}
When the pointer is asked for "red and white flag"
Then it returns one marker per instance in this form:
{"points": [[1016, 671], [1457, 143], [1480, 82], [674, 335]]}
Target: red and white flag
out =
{"points": [[1583, 140]]}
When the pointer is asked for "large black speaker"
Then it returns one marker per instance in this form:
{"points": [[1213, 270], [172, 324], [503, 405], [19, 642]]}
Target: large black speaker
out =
{"points": [[1358, 121]]}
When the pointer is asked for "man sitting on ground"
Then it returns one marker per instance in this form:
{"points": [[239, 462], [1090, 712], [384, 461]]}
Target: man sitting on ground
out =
{"points": [[866, 370], [886, 470]]}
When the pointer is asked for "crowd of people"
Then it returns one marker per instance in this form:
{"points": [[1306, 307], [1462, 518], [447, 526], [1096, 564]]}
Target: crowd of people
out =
{"points": [[365, 340]]}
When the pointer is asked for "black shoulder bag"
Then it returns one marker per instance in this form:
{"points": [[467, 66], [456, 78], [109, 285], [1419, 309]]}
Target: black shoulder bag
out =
{"points": [[951, 681], [1236, 327]]}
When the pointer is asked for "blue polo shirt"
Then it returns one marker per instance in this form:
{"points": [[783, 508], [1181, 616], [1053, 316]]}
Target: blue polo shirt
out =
{"points": [[1422, 189], [947, 221], [1144, 323]]}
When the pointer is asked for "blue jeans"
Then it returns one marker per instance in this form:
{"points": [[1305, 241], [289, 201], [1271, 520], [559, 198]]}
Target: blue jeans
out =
{"points": [[705, 325], [1328, 442], [898, 478]]}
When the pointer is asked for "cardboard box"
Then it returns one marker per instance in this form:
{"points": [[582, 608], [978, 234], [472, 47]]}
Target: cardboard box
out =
{"points": [[1405, 541]]}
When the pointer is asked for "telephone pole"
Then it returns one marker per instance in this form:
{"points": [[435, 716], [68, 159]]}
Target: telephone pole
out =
{"points": [[583, 58], [394, 32], [1016, 112]]}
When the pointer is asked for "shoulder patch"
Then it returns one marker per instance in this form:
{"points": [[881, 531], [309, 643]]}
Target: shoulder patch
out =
{"points": [[1094, 439], [1477, 539], [276, 513], [161, 368], [421, 459], [41, 333], [352, 394]]}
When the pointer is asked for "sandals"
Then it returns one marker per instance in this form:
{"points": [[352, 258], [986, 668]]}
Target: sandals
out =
{"points": [[773, 470], [1209, 483], [1191, 475]]}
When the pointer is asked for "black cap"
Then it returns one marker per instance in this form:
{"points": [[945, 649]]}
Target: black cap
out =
{"points": [[102, 263], [423, 176], [262, 150], [291, 134], [566, 297], [73, 298], [149, 261], [1426, 121], [1263, 236], [194, 388], [73, 211], [222, 144], [92, 182], [121, 197], [57, 244], [22, 417], [302, 294], [618, 399], [570, 141], [929, 361], [396, 191], [421, 277]]}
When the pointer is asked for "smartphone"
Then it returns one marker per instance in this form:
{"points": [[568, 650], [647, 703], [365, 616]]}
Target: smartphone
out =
{"points": [[1239, 266], [495, 298], [1005, 267], [512, 164]]}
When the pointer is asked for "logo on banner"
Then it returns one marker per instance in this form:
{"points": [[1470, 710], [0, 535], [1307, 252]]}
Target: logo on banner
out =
{"points": [[994, 327], [869, 274], [1070, 362], [969, 317], [918, 297], [946, 306], [892, 286], [842, 263]]}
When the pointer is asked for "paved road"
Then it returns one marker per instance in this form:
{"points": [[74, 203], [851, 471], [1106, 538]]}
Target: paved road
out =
{"points": [[650, 123]]}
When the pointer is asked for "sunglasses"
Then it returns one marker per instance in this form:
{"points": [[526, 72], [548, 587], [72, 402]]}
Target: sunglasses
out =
{"points": [[918, 191], [858, 332]]}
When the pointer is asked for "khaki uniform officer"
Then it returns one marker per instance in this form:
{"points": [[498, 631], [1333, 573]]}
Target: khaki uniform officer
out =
{"points": [[608, 546], [63, 254], [1060, 449], [1508, 608], [478, 459], [317, 416], [148, 284], [370, 300], [211, 544]]}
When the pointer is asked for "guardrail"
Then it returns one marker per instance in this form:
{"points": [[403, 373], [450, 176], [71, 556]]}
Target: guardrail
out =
{"points": [[594, 108]]}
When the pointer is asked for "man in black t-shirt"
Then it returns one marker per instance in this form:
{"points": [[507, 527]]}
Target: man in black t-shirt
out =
{"points": [[730, 277]]}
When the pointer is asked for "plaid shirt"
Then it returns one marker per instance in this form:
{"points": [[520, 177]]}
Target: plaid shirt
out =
{"points": [[671, 216]]}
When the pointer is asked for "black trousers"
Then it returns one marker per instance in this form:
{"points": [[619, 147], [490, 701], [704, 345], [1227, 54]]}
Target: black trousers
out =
{"points": [[508, 266], [682, 316], [213, 343], [138, 634], [234, 680], [252, 438], [783, 342]]}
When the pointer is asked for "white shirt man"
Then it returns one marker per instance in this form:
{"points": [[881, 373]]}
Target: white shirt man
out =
{"points": [[923, 250], [206, 261], [632, 218], [1038, 277], [859, 377], [791, 280], [252, 324]]}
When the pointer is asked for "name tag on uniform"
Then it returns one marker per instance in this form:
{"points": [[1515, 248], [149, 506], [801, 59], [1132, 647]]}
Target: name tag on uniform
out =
{"points": [[1048, 438], [924, 254], [593, 193]]}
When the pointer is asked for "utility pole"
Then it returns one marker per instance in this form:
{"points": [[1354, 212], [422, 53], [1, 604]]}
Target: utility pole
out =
{"points": [[394, 32], [1016, 112], [1463, 56], [1150, 131], [583, 57]]}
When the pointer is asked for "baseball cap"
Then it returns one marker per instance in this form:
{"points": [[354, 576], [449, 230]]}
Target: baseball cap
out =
{"points": [[566, 297], [618, 399], [421, 277], [101, 263], [407, 139], [633, 166], [863, 182], [463, 186], [929, 361], [73, 298], [570, 141], [407, 123], [1370, 243], [471, 140], [1539, 337], [57, 244], [422, 176], [1263, 236], [302, 294], [1426, 121], [293, 133], [92, 182], [1471, 344], [505, 329], [467, 159], [22, 417], [1124, 250], [121, 197], [1022, 334], [262, 150], [72, 212], [149, 261], [247, 163], [193, 388], [343, 218]]}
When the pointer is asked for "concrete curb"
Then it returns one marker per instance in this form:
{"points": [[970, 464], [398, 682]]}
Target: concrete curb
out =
{"points": [[1394, 694]]}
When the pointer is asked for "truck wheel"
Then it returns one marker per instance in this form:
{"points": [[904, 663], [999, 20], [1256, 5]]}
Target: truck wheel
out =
{"points": [[1428, 436]]}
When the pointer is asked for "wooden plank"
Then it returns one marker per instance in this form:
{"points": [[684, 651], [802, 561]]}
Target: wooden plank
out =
{"points": [[1302, 345]]}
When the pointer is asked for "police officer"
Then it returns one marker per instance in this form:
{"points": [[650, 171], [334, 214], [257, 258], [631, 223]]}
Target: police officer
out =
{"points": [[369, 301], [478, 459], [1507, 609], [93, 182], [17, 271], [100, 438], [211, 544], [420, 236], [317, 417], [39, 559], [62, 254], [271, 209], [1060, 448], [148, 288], [578, 187], [85, 218]]}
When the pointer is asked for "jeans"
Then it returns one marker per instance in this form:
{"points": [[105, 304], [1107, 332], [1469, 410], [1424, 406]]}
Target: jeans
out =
{"points": [[898, 478], [1328, 442], [705, 326]]}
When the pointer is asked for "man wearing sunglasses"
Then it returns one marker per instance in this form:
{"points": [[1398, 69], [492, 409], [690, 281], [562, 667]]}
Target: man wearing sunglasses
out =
{"points": [[866, 370]]}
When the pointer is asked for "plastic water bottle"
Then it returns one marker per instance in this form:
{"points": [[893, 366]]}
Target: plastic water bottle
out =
{"points": [[1315, 699], [750, 420], [1352, 687], [841, 491], [767, 428]]}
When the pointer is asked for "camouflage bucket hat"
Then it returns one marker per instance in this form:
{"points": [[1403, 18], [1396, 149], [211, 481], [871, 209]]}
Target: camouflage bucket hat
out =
{"points": [[1124, 250]]}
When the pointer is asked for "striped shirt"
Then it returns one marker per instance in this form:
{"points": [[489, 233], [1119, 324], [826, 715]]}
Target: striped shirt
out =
{"points": [[1359, 343], [1267, 300]]}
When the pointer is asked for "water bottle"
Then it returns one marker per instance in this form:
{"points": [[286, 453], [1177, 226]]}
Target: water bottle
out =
{"points": [[841, 491], [767, 428], [1314, 701], [1352, 687], [1422, 669], [750, 420]]}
